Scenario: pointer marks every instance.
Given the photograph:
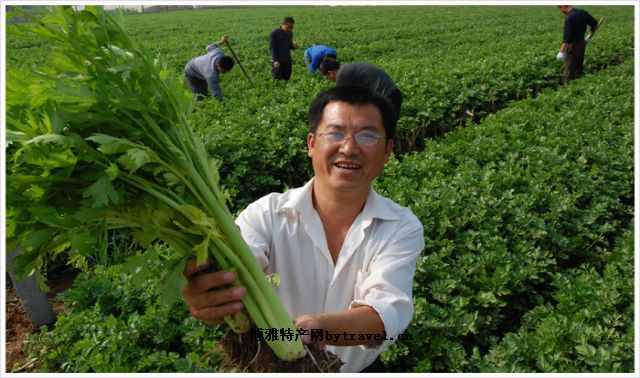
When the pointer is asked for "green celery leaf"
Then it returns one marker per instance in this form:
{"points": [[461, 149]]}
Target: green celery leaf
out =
{"points": [[173, 282], [198, 216], [135, 158], [87, 214], [111, 145], [84, 243], [52, 217], [102, 193], [145, 237], [202, 251], [112, 171], [49, 138]]}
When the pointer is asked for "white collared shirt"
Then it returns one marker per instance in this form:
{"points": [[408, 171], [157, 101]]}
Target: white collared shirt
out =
{"points": [[375, 266]]}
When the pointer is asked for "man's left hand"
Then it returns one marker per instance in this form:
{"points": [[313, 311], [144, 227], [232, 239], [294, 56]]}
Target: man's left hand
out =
{"points": [[309, 322]]}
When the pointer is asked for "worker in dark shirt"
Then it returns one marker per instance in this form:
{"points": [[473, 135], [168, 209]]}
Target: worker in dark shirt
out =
{"points": [[280, 45], [365, 75], [573, 41]]}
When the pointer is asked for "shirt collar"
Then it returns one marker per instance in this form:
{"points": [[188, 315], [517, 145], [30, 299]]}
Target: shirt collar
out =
{"points": [[299, 200], [376, 206]]}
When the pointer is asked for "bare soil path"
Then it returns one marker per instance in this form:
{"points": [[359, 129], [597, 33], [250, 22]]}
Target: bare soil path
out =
{"points": [[18, 325]]}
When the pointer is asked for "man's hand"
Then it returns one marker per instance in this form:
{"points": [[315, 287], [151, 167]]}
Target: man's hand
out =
{"points": [[295, 46], [223, 40], [276, 64], [309, 322], [355, 321], [205, 298], [560, 56], [588, 39]]}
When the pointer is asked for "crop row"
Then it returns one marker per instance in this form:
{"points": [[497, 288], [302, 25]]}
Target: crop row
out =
{"points": [[441, 82], [453, 64], [513, 208]]}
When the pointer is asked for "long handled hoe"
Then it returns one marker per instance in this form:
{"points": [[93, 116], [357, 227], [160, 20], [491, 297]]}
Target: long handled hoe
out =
{"points": [[241, 66]]}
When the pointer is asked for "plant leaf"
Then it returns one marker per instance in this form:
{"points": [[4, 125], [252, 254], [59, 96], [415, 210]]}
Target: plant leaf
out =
{"points": [[101, 193], [173, 283]]}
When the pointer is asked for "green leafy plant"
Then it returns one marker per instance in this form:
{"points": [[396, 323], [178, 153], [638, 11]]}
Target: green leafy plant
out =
{"points": [[511, 208], [114, 321], [588, 329], [99, 140]]}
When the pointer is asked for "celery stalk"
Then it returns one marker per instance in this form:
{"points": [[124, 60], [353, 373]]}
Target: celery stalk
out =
{"points": [[121, 154]]}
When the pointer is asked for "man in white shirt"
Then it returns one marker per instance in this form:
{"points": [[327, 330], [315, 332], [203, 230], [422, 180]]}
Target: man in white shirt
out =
{"points": [[345, 255]]}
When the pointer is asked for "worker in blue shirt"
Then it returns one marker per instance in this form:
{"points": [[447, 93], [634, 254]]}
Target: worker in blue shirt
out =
{"points": [[314, 55], [573, 40]]}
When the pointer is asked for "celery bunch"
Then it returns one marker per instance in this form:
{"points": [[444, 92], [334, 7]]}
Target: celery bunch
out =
{"points": [[98, 139]]}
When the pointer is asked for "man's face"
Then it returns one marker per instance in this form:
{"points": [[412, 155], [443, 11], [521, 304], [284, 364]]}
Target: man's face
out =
{"points": [[287, 27], [348, 166], [331, 75], [565, 9]]}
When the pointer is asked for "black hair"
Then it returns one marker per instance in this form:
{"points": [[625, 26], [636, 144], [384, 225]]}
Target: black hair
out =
{"points": [[288, 20], [354, 95], [328, 64], [226, 63]]}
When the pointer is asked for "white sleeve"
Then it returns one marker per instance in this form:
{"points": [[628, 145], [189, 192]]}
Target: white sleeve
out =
{"points": [[387, 285], [256, 229]]}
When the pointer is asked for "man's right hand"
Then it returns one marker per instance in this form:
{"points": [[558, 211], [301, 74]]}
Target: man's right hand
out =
{"points": [[205, 297], [560, 56], [276, 64]]}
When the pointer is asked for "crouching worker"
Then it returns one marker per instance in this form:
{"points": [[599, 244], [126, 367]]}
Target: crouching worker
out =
{"points": [[203, 72], [346, 256], [314, 55]]}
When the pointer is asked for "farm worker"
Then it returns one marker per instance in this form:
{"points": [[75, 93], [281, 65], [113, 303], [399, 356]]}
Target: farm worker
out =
{"points": [[363, 74], [280, 45], [573, 41], [346, 256], [203, 72], [314, 55]]}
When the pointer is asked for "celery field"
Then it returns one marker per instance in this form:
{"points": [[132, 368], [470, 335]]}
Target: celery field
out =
{"points": [[525, 187]]}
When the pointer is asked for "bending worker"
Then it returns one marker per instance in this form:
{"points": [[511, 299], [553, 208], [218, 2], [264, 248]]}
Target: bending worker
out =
{"points": [[203, 72], [314, 55]]}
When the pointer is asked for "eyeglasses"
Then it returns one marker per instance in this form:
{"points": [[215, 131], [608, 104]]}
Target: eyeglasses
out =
{"points": [[363, 138]]}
